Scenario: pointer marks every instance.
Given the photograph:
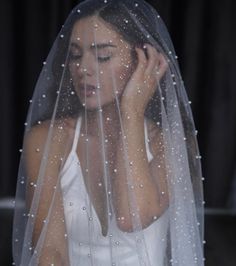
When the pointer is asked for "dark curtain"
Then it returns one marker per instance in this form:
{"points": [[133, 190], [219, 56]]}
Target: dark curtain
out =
{"points": [[203, 32]]}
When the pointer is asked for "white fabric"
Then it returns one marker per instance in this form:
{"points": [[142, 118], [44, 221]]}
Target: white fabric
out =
{"points": [[78, 214], [114, 61]]}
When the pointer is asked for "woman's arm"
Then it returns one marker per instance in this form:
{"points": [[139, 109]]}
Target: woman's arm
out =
{"points": [[148, 179], [54, 246]]}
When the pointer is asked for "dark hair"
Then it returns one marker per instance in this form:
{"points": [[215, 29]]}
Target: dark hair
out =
{"points": [[120, 15]]}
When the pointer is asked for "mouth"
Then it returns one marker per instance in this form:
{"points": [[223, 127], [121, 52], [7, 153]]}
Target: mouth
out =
{"points": [[88, 90]]}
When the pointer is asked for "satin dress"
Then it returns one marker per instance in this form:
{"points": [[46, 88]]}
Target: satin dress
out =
{"points": [[87, 245]]}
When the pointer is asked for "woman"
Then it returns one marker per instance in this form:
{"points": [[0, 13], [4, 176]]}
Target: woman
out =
{"points": [[110, 171]]}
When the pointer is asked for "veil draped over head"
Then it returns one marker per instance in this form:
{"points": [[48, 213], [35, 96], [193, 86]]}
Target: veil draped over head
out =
{"points": [[110, 169]]}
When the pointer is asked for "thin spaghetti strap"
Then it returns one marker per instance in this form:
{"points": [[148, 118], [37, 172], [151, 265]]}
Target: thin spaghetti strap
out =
{"points": [[149, 154], [77, 132]]}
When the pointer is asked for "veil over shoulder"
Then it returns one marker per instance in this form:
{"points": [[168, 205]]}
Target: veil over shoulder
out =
{"points": [[110, 171]]}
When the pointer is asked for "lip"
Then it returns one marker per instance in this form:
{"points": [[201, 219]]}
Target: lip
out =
{"points": [[87, 89]]}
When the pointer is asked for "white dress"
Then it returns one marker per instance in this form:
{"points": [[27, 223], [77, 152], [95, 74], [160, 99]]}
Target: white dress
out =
{"points": [[87, 245]]}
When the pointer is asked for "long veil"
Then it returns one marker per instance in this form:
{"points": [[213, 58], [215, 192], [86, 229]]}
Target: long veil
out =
{"points": [[110, 171]]}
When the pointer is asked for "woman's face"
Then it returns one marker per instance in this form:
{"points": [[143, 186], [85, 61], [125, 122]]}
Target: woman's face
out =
{"points": [[100, 62]]}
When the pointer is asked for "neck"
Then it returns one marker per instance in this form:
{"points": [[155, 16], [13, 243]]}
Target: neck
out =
{"points": [[108, 120]]}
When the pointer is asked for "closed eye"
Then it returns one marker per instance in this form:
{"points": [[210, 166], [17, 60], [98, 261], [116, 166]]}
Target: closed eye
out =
{"points": [[103, 59], [74, 57]]}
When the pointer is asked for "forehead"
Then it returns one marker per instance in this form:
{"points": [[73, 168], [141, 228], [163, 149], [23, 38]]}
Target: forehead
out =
{"points": [[94, 30]]}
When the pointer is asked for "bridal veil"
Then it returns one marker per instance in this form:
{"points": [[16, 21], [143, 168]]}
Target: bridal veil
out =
{"points": [[110, 170]]}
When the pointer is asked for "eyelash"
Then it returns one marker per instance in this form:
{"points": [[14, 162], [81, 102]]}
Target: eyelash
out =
{"points": [[74, 57], [104, 59], [100, 59]]}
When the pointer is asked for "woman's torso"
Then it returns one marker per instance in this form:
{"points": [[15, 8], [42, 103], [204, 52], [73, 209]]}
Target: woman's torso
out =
{"points": [[92, 239]]}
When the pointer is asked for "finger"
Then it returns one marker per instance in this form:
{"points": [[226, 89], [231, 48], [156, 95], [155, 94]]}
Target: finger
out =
{"points": [[152, 59], [161, 66], [142, 61]]}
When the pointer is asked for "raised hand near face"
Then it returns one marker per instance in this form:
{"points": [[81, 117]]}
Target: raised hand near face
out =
{"points": [[144, 81]]}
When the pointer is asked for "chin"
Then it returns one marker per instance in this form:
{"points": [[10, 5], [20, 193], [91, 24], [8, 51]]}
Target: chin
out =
{"points": [[93, 105]]}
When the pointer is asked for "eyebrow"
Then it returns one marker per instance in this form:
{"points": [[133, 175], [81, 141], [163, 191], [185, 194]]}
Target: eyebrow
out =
{"points": [[95, 46]]}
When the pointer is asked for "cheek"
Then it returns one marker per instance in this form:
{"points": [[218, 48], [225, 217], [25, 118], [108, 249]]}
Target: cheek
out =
{"points": [[73, 70], [123, 75], [113, 80]]}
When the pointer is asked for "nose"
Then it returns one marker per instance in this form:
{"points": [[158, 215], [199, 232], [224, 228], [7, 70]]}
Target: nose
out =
{"points": [[85, 66]]}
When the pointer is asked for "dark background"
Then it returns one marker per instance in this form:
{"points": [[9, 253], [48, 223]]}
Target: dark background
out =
{"points": [[204, 36]]}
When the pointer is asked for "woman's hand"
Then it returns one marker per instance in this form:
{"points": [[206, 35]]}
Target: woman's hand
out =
{"points": [[143, 82]]}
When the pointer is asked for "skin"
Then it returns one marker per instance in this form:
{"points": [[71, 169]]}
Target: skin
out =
{"points": [[136, 81], [90, 62]]}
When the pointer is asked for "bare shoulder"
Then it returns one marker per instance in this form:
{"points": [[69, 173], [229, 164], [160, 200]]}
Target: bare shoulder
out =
{"points": [[155, 136], [55, 137], [60, 130]]}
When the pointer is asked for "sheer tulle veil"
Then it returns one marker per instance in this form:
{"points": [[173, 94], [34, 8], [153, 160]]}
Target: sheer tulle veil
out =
{"points": [[110, 171]]}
